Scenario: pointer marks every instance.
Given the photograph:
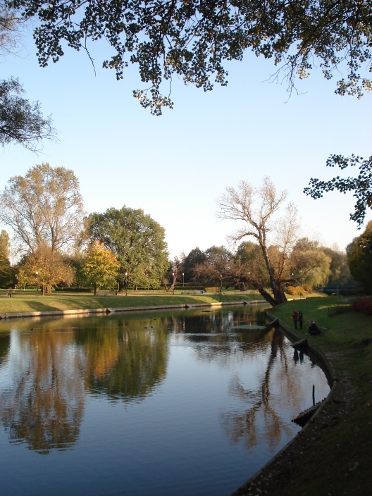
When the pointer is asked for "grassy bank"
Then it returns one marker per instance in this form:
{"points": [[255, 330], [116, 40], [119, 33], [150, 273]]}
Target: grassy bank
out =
{"points": [[333, 454], [25, 302]]}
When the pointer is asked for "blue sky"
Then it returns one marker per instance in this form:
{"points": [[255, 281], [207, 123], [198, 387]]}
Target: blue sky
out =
{"points": [[175, 167]]}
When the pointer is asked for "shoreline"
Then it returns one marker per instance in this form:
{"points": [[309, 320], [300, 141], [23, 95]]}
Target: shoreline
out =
{"points": [[108, 311], [332, 454], [250, 486]]}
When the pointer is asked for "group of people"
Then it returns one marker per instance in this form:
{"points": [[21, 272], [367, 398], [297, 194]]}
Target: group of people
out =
{"points": [[298, 318]]}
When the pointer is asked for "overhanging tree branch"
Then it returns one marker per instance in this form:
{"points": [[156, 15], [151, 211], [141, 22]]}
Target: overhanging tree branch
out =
{"points": [[203, 35], [361, 185], [20, 121]]}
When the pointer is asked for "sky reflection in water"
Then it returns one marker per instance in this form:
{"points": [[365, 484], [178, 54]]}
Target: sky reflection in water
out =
{"points": [[155, 404]]}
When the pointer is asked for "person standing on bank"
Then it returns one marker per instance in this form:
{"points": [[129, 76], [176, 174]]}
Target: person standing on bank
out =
{"points": [[295, 317], [300, 318]]}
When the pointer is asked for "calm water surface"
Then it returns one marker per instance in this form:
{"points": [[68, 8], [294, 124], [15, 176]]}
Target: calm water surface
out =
{"points": [[147, 404]]}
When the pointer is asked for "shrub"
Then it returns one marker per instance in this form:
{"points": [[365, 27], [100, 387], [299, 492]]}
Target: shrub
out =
{"points": [[339, 309], [294, 290], [308, 288], [212, 289], [363, 305]]}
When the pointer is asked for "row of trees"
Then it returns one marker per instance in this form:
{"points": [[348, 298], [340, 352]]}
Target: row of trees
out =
{"points": [[276, 259], [59, 244], [309, 264]]}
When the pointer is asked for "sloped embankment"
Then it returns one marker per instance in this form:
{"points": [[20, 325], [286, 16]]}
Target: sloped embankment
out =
{"points": [[332, 455]]}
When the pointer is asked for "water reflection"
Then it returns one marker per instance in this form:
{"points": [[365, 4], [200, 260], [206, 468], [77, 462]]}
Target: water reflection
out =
{"points": [[4, 347], [261, 408], [225, 336], [161, 393], [48, 368], [123, 362], [43, 399]]}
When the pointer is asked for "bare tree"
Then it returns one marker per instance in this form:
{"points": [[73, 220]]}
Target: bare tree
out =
{"points": [[255, 209], [9, 29]]}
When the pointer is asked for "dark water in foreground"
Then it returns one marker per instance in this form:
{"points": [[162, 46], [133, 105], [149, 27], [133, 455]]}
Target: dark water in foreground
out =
{"points": [[187, 403]]}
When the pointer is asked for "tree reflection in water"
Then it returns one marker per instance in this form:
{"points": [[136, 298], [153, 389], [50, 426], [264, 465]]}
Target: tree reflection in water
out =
{"points": [[217, 337], [4, 347], [245, 426], [49, 368], [126, 361], [46, 372], [43, 402]]}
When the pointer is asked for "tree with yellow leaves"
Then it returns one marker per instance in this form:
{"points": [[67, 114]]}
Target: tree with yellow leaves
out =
{"points": [[45, 268], [100, 266]]}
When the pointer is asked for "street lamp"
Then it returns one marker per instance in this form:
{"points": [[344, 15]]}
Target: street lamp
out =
{"points": [[37, 282], [221, 283], [126, 284], [183, 279], [173, 282]]}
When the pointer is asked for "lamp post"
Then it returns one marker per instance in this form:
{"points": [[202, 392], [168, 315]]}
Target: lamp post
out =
{"points": [[221, 283], [173, 282], [126, 284], [183, 279], [37, 283]]}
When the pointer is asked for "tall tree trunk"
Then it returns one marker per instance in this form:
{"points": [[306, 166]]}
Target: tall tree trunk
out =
{"points": [[264, 293], [279, 294], [276, 285]]}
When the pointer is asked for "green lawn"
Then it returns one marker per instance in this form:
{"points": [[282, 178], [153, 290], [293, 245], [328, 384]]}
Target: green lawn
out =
{"points": [[26, 302], [343, 328], [333, 454]]}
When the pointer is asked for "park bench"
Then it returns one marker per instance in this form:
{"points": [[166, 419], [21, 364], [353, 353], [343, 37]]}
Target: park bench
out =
{"points": [[8, 293]]}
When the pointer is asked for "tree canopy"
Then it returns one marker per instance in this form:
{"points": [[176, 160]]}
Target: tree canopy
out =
{"points": [[309, 264], [138, 242], [360, 185], [194, 39], [191, 261], [8, 29], [340, 272], [20, 121], [359, 258], [45, 268], [6, 275], [212, 266], [44, 208], [99, 266]]}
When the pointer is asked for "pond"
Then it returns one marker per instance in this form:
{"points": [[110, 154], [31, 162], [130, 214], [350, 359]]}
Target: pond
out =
{"points": [[160, 403]]}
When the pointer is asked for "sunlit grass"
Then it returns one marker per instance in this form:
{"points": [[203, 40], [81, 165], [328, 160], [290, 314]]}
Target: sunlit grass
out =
{"points": [[347, 342], [340, 328], [25, 302]]}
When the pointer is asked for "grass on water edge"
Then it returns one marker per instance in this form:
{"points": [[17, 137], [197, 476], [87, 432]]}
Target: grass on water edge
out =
{"points": [[25, 302], [332, 456]]}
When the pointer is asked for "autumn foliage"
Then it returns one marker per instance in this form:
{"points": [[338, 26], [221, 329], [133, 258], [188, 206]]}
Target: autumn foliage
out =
{"points": [[363, 305]]}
